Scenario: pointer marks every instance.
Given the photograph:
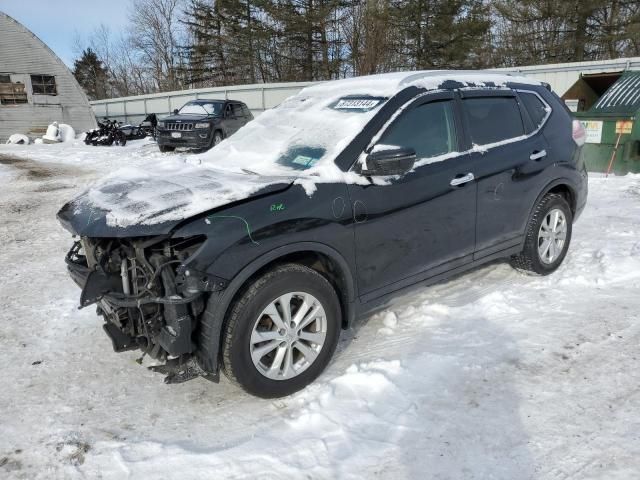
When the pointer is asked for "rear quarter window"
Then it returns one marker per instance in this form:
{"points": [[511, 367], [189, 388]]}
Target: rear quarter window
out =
{"points": [[536, 108], [493, 119]]}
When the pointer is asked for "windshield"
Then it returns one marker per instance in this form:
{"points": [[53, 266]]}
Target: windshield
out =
{"points": [[305, 133], [201, 108]]}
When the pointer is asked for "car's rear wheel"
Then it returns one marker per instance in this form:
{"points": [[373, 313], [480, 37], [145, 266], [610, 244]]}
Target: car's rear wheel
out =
{"points": [[282, 331], [547, 238]]}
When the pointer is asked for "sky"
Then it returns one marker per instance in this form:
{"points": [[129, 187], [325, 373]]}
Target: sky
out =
{"points": [[57, 23]]}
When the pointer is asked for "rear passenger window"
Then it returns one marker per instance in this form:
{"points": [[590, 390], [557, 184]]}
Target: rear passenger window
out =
{"points": [[493, 119], [428, 129], [246, 111], [536, 108], [237, 110]]}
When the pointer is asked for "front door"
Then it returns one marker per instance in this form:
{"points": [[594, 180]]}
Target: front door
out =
{"points": [[409, 226]]}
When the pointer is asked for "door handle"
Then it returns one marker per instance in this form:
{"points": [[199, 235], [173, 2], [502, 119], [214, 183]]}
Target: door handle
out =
{"points": [[537, 155], [461, 179]]}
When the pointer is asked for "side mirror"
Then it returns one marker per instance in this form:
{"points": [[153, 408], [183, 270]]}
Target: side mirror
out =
{"points": [[175, 111], [390, 160]]}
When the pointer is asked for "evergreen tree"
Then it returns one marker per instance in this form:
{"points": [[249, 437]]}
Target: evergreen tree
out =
{"points": [[440, 33], [91, 75]]}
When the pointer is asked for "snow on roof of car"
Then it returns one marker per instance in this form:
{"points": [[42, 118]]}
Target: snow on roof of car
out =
{"points": [[388, 84]]}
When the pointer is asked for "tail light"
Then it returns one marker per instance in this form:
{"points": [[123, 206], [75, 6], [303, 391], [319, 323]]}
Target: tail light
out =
{"points": [[579, 134]]}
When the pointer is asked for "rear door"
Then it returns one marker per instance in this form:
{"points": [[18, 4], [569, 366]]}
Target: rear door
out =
{"points": [[510, 154], [247, 114], [232, 121], [411, 225]]}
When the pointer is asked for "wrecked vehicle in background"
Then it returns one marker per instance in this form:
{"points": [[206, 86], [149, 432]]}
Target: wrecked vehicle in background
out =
{"points": [[319, 212]]}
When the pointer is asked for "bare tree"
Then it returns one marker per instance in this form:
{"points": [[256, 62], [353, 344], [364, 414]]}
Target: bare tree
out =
{"points": [[156, 34]]}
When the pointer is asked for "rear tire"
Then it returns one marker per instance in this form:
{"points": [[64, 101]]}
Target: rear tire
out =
{"points": [[297, 348], [547, 238]]}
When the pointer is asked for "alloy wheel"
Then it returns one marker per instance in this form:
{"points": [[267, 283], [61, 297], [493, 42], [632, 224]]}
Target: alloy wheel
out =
{"points": [[288, 335], [552, 236]]}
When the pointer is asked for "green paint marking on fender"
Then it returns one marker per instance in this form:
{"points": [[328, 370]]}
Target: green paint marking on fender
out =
{"points": [[246, 224], [277, 207]]}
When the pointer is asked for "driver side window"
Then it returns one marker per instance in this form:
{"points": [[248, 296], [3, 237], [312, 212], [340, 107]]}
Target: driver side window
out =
{"points": [[428, 128]]}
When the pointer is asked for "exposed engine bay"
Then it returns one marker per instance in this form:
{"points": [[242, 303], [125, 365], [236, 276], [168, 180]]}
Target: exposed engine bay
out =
{"points": [[149, 299]]}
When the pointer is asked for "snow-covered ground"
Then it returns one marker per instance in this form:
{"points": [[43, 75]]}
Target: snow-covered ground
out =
{"points": [[491, 375]]}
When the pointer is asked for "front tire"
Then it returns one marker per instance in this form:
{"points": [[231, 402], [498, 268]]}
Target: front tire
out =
{"points": [[217, 138], [547, 238], [282, 331], [166, 148]]}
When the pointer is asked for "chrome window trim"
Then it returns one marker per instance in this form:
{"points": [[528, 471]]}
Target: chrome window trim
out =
{"points": [[474, 148], [548, 108]]}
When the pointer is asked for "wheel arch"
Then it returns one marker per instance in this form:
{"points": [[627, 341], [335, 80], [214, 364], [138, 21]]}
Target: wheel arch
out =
{"points": [[560, 186], [322, 258], [318, 256]]}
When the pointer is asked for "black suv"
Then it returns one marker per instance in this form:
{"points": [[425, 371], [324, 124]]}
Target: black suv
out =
{"points": [[201, 124], [321, 210]]}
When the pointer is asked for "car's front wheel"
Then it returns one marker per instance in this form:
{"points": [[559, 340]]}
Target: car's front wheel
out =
{"points": [[166, 148], [282, 331], [217, 138], [547, 238]]}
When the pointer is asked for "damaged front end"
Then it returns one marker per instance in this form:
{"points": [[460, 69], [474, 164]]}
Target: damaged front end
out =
{"points": [[149, 298]]}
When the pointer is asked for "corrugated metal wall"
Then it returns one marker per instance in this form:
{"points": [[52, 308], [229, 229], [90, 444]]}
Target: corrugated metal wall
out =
{"points": [[133, 109], [262, 96], [23, 54]]}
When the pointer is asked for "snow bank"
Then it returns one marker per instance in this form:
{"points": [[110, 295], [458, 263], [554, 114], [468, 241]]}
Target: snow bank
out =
{"points": [[491, 375]]}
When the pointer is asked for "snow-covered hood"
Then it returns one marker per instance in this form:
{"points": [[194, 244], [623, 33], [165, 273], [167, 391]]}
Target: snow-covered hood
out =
{"points": [[136, 202]]}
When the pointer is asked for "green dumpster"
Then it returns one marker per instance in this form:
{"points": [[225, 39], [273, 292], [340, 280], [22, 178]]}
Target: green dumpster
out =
{"points": [[610, 121]]}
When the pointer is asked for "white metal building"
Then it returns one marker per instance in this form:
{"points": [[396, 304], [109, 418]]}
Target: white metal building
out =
{"points": [[562, 77], [36, 87]]}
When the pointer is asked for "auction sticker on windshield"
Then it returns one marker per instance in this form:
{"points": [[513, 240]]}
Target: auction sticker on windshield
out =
{"points": [[358, 104]]}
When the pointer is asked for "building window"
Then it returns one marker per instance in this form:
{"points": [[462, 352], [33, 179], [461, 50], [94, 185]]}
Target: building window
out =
{"points": [[43, 85], [11, 93]]}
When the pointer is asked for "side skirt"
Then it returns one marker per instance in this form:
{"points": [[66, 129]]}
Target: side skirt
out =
{"points": [[379, 303]]}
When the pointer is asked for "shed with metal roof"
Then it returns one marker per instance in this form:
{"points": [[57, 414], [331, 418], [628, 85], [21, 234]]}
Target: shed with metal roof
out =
{"points": [[36, 87], [613, 132]]}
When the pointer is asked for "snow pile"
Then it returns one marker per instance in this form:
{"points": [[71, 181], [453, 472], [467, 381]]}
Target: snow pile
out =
{"points": [[18, 139], [53, 134], [66, 133]]}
